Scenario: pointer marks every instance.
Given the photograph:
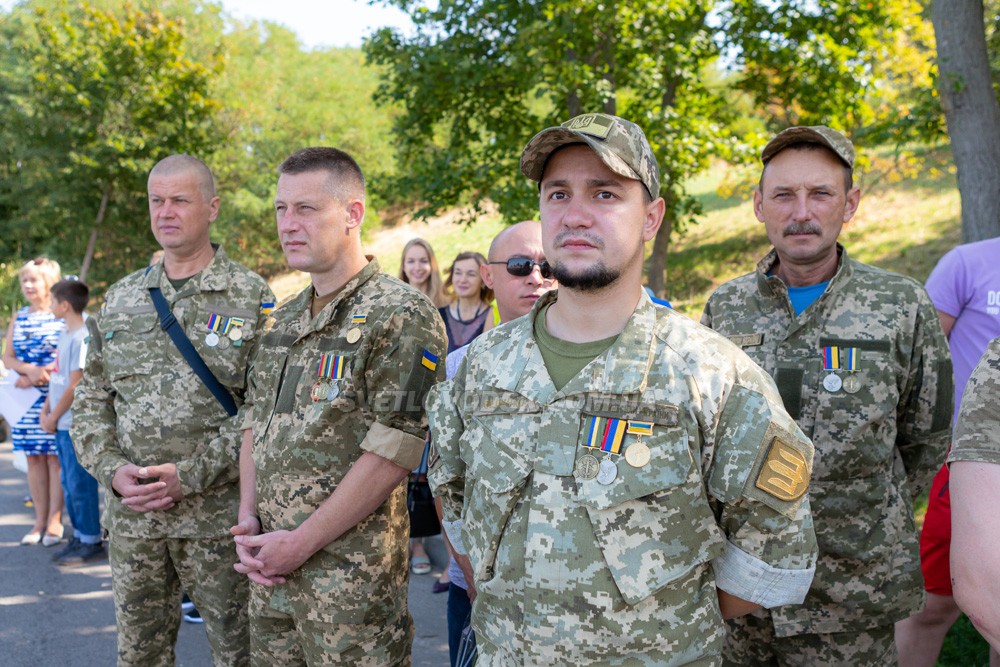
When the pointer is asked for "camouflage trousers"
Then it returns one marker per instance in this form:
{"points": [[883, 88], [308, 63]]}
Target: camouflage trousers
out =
{"points": [[277, 638], [750, 642], [148, 576], [492, 655]]}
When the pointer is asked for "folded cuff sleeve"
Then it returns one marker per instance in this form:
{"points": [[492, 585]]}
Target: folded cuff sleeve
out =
{"points": [[403, 449], [740, 574]]}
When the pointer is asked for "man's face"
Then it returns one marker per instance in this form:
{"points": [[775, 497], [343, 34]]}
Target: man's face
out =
{"points": [[179, 213], [311, 221], [803, 205], [594, 222], [516, 295]]}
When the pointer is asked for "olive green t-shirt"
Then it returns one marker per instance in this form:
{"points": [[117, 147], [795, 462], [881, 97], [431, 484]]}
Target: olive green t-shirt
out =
{"points": [[563, 360]]}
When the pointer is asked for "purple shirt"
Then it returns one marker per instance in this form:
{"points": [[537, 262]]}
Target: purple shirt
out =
{"points": [[966, 285]]}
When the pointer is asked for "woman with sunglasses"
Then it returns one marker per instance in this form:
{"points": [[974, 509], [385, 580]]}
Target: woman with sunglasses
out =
{"points": [[470, 313], [419, 268], [31, 353]]}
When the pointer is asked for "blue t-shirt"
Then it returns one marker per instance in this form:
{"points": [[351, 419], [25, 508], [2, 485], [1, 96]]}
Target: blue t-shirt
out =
{"points": [[803, 297]]}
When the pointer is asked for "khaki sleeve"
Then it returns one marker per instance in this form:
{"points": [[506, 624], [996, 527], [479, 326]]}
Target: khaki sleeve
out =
{"points": [[95, 425], [407, 360]]}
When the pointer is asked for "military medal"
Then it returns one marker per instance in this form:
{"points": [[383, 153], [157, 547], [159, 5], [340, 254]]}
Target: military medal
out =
{"points": [[334, 391], [587, 466], [235, 328], [330, 368], [354, 335], [836, 359], [637, 454], [224, 343], [852, 383], [608, 471], [211, 339], [320, 390]]}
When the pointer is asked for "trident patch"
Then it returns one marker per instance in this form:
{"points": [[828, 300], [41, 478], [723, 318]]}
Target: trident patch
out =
{"points": [[785, 473]]}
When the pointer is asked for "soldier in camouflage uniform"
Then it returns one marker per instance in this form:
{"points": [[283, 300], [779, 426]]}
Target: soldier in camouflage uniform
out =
{"points": [[863, 366], [338, 384], [620, 478], [975, 494], [153, 434]]}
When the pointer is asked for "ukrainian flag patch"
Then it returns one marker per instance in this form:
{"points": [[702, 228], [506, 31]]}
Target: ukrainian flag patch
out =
{"points": [[429, 360]]}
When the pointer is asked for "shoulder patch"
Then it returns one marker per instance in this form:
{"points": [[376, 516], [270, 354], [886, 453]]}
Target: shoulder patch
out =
{"points": [[785, 473]]}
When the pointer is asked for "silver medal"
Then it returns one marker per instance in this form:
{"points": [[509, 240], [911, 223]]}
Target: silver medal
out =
{"points": [[212, 339], [832, 382], [608, 472]]}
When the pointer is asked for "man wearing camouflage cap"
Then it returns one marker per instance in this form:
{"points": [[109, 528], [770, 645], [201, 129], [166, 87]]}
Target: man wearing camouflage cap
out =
{"points": [[159, 440], [336, 422], [620, 478], [863, 366], [975, 493]]}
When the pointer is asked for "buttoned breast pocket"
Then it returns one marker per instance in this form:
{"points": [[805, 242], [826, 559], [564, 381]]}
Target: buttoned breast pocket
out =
{"points": [[857, 399], [129, 346], [651, 516], [222, 336]]}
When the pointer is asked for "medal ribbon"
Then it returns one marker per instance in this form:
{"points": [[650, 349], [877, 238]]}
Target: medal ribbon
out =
{"points": [[358, 319], [606, 434], [639, 428], [837, 358], [216, 322], [331, 366]]}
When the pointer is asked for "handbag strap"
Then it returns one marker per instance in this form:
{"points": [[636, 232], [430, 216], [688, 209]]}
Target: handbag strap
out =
{"points": [[184, 345], [422, 468]]}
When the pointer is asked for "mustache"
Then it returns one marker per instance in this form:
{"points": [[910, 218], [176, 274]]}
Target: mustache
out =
{"points": [[801, 228], [593, 240]]}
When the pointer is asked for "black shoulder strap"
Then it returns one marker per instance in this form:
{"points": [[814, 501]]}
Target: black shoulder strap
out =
{"points": [[169, 324]]}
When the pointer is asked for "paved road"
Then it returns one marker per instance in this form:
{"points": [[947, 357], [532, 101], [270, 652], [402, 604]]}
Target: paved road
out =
{"points": [[53, 616]]}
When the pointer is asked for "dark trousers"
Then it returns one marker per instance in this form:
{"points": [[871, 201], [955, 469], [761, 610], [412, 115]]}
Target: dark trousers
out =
{"points": [[459, 611]]}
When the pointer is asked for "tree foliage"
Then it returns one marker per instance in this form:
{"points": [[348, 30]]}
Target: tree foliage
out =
{"points": [[478, 78], [95, 100]]}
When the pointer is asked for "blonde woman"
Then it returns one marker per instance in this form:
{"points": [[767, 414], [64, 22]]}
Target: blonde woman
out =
{"points": [[469, 313], [419, 267], [31, 353]]}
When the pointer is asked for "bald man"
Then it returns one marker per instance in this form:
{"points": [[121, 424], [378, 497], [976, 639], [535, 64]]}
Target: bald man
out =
{"points": [[518, 275], [163, 444]]}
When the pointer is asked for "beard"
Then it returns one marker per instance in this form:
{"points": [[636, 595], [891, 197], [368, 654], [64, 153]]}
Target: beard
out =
{"points": [[590, 279]]}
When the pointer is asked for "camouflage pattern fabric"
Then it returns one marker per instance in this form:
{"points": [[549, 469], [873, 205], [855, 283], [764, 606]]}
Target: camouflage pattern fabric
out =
{"points": [[573, 571], [620, 143], [751, 643], [140, 402], [149, 576], [813, 134], [977, 431], [281, 639], [325, 390], [879, 437]]}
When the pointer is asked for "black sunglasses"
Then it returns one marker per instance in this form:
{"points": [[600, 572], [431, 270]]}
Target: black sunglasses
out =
{"points": [[523, 266]]}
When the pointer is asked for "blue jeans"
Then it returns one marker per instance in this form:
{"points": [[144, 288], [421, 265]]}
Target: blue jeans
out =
{"points": [[459, 610], [80, 491]]}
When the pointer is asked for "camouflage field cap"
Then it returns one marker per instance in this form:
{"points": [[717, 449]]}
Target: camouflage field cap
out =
{"points": [[620, 144], [814, 134]]}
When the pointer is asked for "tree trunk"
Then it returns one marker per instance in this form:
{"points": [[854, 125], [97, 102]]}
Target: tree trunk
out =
{"points": [[656, 274], [92, 242], [972, 112]]}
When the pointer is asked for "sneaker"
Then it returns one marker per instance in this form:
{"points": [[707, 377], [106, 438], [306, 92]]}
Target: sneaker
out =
{"points": [[193, 616], [83, 554], [186, 604], [66, 550]]}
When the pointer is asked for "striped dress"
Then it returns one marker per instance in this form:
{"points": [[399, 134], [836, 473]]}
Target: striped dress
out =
{"points": [[35, 338]]}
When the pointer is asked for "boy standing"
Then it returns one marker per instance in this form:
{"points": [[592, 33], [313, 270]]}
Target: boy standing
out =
{"points": [[69, 299]]}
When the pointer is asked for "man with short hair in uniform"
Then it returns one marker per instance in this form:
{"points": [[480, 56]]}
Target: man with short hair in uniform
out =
{"points": [[620, 478], [862, 365], [156, 437], [336, 424]]}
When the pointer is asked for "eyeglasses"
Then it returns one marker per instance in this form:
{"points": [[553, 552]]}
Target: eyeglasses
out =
{"points": [[523, 266]]}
